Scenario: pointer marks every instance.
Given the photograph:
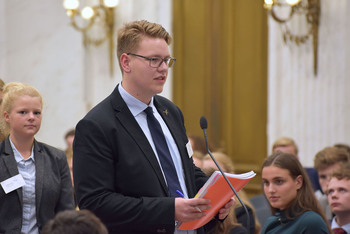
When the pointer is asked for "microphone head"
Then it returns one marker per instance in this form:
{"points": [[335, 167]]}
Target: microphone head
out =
{"points": [[203, 123]]}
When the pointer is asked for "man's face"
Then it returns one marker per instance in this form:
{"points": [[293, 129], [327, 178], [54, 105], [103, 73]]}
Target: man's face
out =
{"points": [[323, 175], [338, 193], [144, 81]]}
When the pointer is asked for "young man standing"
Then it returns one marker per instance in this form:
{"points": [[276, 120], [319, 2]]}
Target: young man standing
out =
{"points": [[132, 157]]}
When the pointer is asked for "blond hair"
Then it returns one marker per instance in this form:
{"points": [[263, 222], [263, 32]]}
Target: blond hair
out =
{"points": [[284, 141], [130, 36], [11, 92], [2, 84]]}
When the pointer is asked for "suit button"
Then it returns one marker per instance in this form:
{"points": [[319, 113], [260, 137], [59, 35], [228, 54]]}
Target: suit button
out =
{"points": [[161, 230]]}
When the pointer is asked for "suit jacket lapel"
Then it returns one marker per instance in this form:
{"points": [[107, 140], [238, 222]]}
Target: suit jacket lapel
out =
{"points": [[126, 118], [11, 164]]}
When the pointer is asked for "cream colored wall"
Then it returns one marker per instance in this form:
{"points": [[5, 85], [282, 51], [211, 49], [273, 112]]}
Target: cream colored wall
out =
{"points": [[39, 47], [315, 111]]}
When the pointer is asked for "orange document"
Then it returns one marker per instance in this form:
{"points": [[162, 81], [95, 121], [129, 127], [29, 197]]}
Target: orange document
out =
{"points": [[219, 193]]}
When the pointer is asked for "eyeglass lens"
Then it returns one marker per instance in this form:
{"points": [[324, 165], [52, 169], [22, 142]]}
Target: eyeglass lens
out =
{"points": [[157, 62]]}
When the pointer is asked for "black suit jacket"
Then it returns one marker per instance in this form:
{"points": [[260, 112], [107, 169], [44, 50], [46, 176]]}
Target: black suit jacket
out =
{"points": [[53, 186], [116, 173]]}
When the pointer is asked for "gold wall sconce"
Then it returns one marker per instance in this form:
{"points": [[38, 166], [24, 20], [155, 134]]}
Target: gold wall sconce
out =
{"points": [[96, 22], [283, 10]]}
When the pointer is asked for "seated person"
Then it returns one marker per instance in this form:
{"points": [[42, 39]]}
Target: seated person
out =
{"points": [[343, 146], [291, 197], [198, 158], [288, 145], [338, 193], [326, 161], [198, 144], [75, 222], [238, 215]]}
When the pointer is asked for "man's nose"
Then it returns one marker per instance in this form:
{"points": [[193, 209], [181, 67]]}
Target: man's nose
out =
{"points": [[163, 65]]}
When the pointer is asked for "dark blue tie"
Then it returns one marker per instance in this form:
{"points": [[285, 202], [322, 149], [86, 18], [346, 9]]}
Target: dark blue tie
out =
{"points": [[163, 153]]}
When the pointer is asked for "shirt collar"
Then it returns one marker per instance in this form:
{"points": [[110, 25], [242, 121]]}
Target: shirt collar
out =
{"points": [[136, 106], [334, 224], [17, 154]]}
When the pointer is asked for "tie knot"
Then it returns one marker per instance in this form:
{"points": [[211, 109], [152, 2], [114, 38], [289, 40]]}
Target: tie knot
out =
{"points": [[149, 111]]}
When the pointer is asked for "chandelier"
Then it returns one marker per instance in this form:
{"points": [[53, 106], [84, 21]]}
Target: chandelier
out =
{"points": [[96, 22], [284, 11]]}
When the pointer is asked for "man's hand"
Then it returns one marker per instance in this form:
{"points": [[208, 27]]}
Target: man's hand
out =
{"points": [[185, 209], [223, 212]]}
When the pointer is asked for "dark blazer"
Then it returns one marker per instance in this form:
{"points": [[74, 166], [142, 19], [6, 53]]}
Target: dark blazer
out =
{"points": [[313, 176], [116, 173], [53, 186]]}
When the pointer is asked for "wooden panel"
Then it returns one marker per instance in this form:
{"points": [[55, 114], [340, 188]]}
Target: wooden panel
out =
{"points": [[221, 72], [190, 70]]}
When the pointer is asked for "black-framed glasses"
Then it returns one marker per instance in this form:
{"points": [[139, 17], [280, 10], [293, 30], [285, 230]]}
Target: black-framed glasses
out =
{"points": [[157, 61]]}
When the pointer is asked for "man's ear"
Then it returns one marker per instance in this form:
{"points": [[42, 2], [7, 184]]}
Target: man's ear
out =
{"points": [[299, 181], [125, 62]]}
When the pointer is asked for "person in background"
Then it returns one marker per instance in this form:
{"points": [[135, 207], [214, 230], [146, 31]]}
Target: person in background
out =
{"points": [[343, 146], [238, 217], [69, 138], [230, 225], [222, 159], [326, 161], [338, 193], [2, 84], [131, 151], [75, 222], [291, 197], [198, 144], [197, 158], [288, 145], [34, 176]]}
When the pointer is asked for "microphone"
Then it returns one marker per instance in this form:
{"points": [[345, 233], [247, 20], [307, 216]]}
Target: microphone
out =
{"points": [[204, 125]]}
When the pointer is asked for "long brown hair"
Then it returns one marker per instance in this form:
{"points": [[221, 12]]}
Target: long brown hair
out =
{"points": [[305, 199]]}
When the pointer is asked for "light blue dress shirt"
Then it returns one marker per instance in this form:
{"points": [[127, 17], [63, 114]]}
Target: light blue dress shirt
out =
{"points": [[26, 168], [137, 108]]}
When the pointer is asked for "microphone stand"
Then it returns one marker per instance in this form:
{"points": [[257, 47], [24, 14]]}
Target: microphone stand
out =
{"points": [[203, 123]]}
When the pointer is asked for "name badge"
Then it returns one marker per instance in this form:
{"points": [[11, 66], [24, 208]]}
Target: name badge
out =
{"points": [[189, 149], [12, 183]]}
